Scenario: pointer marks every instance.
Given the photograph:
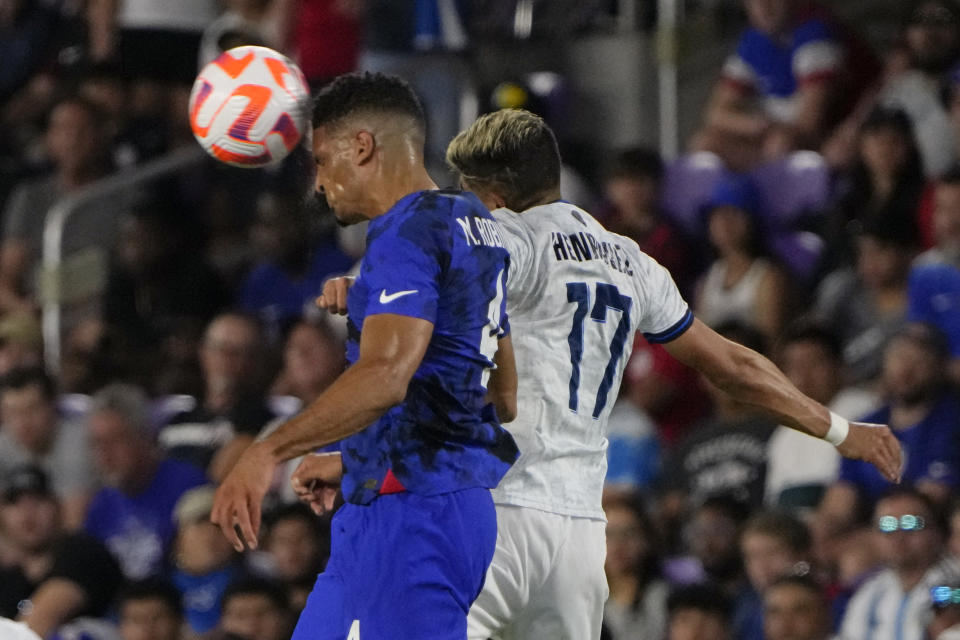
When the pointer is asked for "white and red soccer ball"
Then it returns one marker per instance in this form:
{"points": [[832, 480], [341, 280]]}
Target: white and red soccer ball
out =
{"points": [[250, 107]]}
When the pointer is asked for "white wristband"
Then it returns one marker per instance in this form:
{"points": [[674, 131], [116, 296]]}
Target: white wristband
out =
{"points": [[839, 428]]}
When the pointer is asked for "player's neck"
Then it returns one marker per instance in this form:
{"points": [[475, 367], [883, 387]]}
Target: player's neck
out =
{"points": [[547, 198], [399, 184]]}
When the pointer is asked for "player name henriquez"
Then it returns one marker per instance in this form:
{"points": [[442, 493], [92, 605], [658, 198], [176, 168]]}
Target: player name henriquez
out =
{"points": [[481, 231], [584, 246]]}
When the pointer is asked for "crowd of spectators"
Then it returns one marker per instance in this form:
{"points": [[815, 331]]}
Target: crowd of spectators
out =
{"points": [[195, 330]]}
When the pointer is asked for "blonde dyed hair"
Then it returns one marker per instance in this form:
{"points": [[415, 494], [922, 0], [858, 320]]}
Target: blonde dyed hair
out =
{"points": [[510, 152]]}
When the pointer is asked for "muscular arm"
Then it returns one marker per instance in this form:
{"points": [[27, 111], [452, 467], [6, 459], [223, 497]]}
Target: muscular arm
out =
{"points": [[391, 348], [502, 388], [752, 379], [54, 602], [814, 101]]}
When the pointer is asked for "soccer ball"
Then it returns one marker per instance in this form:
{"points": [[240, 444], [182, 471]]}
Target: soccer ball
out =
{"points": [[249, 107]]}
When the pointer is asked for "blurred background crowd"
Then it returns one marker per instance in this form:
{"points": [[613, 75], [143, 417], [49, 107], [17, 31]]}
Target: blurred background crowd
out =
{"points": [[157, 308]]}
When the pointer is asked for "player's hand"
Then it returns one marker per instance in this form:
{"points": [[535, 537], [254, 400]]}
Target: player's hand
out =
{"points": [[875, 444], [334, 296], [317, 479], [237, 503]]}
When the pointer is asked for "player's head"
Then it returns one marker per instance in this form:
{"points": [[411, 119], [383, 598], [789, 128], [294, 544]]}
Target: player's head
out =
{"points": [[367, 129], [509, 158]]}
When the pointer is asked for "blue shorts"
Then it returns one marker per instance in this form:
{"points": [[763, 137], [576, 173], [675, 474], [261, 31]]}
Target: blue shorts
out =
{"points": [[404, 566]]}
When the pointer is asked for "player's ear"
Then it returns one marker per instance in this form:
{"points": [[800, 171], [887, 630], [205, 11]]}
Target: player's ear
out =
{"points": [[364, 145]]}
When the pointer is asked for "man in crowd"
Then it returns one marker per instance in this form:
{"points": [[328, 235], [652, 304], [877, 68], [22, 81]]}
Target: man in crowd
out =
{"points": [[795, 607], [33, 433], [133, 514], [232, 410], [255, 609], [924, 414], [150, 610], [910, 539], [49, 576]]}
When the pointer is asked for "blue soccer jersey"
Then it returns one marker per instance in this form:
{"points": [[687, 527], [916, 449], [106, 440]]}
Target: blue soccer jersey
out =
{"points": [[438, 256]]}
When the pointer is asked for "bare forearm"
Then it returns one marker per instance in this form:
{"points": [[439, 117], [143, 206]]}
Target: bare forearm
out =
{"points": [[355, 400], [756, 381]]}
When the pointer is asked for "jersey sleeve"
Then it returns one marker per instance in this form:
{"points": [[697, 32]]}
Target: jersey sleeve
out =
{"points": [[666, 315], [817, 54], [402, 268], [737, 70]]}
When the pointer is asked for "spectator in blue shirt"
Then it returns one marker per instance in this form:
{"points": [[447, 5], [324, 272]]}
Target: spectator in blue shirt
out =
{"points": [[292, 266], [923, 413], [133, 514], [794, 74]]}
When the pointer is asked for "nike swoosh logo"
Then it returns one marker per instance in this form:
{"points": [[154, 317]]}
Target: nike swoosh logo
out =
{"points": [[384, 298]]}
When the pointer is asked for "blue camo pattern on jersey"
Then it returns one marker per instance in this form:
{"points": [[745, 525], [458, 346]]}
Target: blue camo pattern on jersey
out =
{"points": [[421, 261]]}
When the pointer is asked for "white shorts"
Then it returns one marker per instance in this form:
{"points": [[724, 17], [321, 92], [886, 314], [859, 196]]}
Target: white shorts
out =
{"points": [[546, 579]]}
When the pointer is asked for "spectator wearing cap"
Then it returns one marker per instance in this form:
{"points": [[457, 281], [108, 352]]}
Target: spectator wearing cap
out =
{"points": [[931, 36], [795, 607], [923, 412], [934, 283], [867, 304], [133, 514], [774, 544], [255, 609], [150, 610], [698, 612], [742, 285], [32, 433], [910, 540], [205, 562], [800, 468], [48, 576], [804, 69]]}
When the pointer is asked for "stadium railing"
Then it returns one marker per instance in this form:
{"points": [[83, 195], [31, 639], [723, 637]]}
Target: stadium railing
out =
{"points": [[56, 281]]}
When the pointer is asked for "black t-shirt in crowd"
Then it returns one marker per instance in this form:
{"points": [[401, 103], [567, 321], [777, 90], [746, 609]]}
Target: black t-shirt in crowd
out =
{"points": [[77, 558], [723, 458], [195, 436]]}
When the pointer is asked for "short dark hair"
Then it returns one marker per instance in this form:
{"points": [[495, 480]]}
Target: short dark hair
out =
{"points": [[366, 92], [512, 152], [951, 176], [23, 377], [291, 511], [803, 581], [937, 518], [782, 526], [254, 585], [805, 330], [153, 589], [635, 162], [701, 597]]}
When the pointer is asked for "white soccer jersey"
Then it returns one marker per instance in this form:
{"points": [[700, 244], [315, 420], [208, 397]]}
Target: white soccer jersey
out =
{"points": [[576, 293]]}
